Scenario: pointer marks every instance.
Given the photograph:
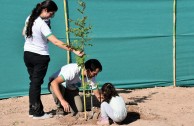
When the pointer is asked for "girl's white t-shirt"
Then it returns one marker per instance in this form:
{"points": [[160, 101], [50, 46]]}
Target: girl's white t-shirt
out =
{"points": [[38, 43], [118, 105]]}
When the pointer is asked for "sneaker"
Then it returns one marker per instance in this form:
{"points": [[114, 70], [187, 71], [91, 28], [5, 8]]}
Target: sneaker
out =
{"points": [[103, 121], [30, 116], [60, 112], [45, 116]]}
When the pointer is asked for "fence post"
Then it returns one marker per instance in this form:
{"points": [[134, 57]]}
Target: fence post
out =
{"points": [[174, 43]]}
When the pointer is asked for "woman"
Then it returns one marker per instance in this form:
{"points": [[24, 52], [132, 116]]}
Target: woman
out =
{"points": [[36, 55]]}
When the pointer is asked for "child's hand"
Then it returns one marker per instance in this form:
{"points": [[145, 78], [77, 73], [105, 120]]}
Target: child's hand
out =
{"points": [[100, 98]]}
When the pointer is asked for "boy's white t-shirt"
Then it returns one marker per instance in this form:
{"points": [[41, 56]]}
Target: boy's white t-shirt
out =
{"points": [[118, 105], [38, 42], [71, 73]]}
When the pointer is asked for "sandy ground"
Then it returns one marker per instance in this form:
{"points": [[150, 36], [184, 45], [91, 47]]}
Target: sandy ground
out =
{"points": [[160, 106]]}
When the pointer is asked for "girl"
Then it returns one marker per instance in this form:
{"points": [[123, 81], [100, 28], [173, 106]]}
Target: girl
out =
{"points": [[113, 106], [36, 54]]}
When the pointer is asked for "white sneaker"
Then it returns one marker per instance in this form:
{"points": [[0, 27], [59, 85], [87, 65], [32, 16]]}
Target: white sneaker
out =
{"points": [[45, 116], [30, 116]]}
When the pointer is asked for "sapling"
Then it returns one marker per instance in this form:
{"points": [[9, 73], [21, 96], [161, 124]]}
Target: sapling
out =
{"points": [[81, 31]]}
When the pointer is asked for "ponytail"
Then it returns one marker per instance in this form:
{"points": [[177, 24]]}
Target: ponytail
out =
{"points": [[48, 4]]}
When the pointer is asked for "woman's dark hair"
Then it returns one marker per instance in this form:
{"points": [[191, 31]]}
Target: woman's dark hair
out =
{"points": [[93, 64], [108, 91], [48, 4]]}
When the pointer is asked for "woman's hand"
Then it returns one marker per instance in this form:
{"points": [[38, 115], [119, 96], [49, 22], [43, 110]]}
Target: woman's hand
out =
{"points": [[78, 53], [63, 45]]}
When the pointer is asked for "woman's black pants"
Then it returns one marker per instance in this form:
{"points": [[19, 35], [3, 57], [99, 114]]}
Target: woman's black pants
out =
{"points": [[37, 67]]}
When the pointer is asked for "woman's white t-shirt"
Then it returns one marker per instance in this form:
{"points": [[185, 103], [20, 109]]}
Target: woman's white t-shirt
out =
{"points": [[38, 43]]}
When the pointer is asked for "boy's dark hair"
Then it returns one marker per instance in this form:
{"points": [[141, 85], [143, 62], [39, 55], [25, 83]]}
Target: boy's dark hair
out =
{"points": [[93, 64], [108, 91]]}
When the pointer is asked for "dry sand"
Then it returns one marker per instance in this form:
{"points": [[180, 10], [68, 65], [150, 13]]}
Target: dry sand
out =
{"points": [[160, 106]]}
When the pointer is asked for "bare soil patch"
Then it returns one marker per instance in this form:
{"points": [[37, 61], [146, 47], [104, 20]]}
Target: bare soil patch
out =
{"points": [[160, 106]]}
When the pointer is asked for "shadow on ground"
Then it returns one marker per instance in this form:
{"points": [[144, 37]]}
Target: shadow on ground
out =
{"points": [[131, 117], [141, 99], [123, 91]]}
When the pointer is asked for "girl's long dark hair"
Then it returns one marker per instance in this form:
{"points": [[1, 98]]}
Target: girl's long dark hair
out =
{"points": [[48, 4], [108, 91]]}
